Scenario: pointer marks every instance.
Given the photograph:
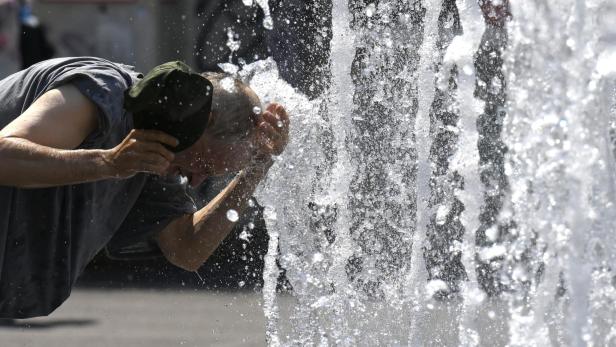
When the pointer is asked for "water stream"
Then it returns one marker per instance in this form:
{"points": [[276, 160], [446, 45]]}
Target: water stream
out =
{"points": [[455, 185]]}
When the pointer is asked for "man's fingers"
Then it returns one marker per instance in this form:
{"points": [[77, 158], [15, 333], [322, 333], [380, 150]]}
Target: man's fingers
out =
{"points": [[278, 117], [272, 107], [271, 141], [281, 112], [154, 163], [156, 147], [281, 130], [155, 136], [269, 130], [273, 120], [265, 144], [142, 151]]}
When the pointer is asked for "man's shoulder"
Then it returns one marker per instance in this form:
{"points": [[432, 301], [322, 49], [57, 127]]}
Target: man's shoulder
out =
{"points": [[94, 67], [84, 61]]}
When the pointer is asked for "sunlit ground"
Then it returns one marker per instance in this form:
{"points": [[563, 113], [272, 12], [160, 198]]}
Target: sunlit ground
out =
{"points": [[145, 318]]}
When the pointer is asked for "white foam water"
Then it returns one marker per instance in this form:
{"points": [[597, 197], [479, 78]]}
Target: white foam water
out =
{"points": [[355, 189]]}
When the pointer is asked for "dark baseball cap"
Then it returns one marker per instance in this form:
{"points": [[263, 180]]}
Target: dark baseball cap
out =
{"points": [[173, 99]]}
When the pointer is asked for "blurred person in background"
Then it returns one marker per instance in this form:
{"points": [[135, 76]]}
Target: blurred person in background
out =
{"points": [[77, 176], [9, 37], [298, 40], [33, 44]]}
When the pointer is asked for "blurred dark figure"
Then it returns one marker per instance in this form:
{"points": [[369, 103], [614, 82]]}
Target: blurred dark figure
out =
{"points": [[221, 21], [9, 33], [298, 42], [495, 13], [33, 44]]}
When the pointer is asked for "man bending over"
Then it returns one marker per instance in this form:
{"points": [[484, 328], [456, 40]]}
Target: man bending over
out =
{"points": [[92, 152]]}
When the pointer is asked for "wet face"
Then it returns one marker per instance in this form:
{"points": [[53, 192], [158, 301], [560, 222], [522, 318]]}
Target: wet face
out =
{"points": [[211, 157]]}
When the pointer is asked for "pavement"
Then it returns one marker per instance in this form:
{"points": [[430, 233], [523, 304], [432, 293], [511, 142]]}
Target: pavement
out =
{"points": [[141, 317]]}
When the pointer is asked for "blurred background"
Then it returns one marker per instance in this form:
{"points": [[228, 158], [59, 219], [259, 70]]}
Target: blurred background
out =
{"points": [[202, 33]]}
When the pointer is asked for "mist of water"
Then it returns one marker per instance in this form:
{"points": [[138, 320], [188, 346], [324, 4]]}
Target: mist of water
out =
{"points": [[384, 208], [562, 198]]}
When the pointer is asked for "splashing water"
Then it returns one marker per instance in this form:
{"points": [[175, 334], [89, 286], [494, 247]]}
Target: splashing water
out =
{"points": [[233, 43], [268, 22], [426, 90], [232, 215], [562, 197], [466, 161], [384, 210]]}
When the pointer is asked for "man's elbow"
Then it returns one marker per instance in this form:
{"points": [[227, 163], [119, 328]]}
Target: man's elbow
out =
{"points": [[191, 264], [182, 252]]}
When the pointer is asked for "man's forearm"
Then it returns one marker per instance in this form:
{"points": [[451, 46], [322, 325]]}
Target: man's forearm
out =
{"points": [[29, 165], [190, 240]]}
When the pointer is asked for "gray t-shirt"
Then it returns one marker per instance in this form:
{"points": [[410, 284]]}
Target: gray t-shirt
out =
{"points": [[47, 236]]}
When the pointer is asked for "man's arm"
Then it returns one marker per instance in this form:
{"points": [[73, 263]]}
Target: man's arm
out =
{"points": [[190, 240], [37, 149]]}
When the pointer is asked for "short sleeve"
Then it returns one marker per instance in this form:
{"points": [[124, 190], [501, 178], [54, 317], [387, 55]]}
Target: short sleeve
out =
{"points": [[102, 82], [161, 201], [105, 88]]}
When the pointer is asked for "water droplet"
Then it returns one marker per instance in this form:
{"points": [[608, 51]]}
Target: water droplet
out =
{"points": [[228, 84], [317, 257], [232, 215], [183, 180], [241, 283], [519, 274], [269, 213], [434, 286], [441, 214], [279, 124], [468, 69], [370, 9], [492, 234], [256, 110], [268, 23], [200, 278], [244, 235]]}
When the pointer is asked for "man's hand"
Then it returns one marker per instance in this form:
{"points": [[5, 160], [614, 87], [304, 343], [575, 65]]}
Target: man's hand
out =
{"points": [[189, 240], [273, 130], [140, 151], [271, 138]]}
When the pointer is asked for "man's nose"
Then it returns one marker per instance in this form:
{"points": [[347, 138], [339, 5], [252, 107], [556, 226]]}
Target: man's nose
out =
{"points": [[197, 179]]}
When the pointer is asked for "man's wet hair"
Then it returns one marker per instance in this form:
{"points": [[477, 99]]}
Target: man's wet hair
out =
{"points": [[232, 114]]}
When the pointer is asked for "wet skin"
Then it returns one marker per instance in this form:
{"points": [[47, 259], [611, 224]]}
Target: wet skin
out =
{"points": [[210, 156]]}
